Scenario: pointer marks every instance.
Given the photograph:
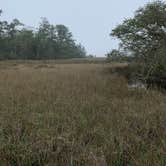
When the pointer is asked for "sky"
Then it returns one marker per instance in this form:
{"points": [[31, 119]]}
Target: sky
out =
{"points": [[90, 21]]}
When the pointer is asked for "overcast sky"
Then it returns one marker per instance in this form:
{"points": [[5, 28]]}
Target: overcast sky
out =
{"points": [[90, 21]]}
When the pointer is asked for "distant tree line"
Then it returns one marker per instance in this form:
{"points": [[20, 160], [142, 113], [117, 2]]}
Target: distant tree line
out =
{"points": [[144, 37], [47, 42]]}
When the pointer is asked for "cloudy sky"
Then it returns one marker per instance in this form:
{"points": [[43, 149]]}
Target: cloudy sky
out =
{"points": [[90, 21]]}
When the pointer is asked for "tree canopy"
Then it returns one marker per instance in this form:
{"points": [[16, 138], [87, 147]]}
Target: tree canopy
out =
{"points": [[145, 36]]}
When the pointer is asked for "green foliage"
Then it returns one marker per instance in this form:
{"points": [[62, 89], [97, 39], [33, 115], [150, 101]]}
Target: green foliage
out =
{"points": [[145, 36], [118, 56], [114, 55], [48, 42]]}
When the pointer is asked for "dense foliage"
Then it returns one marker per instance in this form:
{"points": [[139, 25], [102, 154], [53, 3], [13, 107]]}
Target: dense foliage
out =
{"points": [[118, 56], [145, 36], [47, 42]]}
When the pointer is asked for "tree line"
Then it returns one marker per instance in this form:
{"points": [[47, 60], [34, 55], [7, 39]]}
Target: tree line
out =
{"points": [[46, 42]]}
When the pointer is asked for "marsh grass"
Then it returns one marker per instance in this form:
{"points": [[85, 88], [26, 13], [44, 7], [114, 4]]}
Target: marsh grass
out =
{"points": [[78, 114]]}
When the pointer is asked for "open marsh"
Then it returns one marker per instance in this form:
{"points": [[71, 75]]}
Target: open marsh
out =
{"points": [[78, 114]]}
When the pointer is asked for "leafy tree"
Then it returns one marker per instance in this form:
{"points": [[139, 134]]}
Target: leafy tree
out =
{"points": [[26, 45], [145, 36], [64, 35]]}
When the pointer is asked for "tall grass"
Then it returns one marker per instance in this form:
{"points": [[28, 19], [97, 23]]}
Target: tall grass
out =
{"points": [[78, 114]]}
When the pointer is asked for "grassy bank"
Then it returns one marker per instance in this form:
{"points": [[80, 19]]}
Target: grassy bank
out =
{"points": [[78, 114]]}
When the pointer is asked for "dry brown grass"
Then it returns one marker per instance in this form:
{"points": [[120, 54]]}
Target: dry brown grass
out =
{"points": [[78, 114]]}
